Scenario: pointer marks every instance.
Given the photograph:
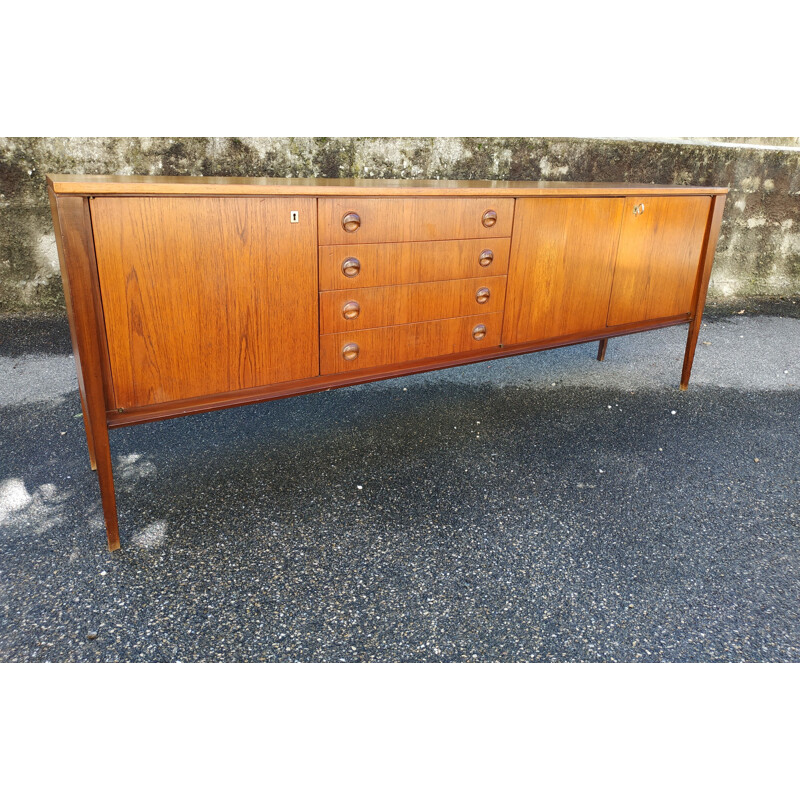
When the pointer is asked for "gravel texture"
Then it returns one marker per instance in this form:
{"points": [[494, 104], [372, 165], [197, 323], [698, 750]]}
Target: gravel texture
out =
{"points": [[539, 508]]}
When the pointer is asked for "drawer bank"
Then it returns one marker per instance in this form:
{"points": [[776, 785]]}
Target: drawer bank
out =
{"points": [[190, 294]]}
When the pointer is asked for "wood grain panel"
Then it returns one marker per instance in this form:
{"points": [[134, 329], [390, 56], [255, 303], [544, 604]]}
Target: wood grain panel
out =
{"points": [[658, 258], [562, 262], [413, 219], [402, 343], [411, 262], [381, 306], [206, 295]]}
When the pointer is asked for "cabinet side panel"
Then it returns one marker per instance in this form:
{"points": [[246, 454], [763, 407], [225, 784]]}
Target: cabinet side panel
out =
{"points": [[659, 258], [73, 236], [65, 282], [206, 295], [562, 260]]}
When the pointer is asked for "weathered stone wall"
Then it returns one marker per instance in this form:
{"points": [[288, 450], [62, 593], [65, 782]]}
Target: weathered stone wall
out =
{"points": [[758, 254]]}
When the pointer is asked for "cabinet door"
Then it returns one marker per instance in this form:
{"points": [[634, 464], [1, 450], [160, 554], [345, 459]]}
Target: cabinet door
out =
{"points": [[206, 295], [562, 261], [658, 258]]}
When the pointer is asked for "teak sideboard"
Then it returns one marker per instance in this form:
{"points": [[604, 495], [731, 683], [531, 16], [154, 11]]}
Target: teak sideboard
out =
{"points": [[191, 294]]}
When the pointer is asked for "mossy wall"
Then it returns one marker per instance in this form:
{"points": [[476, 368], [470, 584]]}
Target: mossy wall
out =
{"points": [[758, 253]]}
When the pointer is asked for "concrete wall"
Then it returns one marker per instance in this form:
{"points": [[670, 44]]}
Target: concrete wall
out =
{"points": [[759, 250]]}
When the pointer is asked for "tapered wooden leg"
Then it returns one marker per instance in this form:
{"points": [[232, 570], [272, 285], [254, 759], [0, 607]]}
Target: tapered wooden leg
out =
{"points": [[688, 357], [105, 476], [73, 229], [601, 350], [707, 259], [89, 440]]}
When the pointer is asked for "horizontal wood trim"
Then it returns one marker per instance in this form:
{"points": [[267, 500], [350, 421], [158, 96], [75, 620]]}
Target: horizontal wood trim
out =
{"points": [[322, 187], [324, 382]]}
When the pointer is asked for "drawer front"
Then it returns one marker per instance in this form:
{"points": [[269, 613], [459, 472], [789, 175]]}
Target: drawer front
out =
{"points": [[354, 220], [361, 265], [342, 352], [380, 306]]}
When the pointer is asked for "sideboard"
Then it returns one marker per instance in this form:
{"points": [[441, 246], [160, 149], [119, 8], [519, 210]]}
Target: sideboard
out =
{"points": [[191, 294]]}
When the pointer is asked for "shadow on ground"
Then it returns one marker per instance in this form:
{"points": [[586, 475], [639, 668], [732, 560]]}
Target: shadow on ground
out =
{"points": [[543, 508]]}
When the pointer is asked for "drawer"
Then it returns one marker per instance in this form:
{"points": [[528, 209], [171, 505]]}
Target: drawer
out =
{"points": [[360, 265], [352, 220], [342, 352], [349, 310]]}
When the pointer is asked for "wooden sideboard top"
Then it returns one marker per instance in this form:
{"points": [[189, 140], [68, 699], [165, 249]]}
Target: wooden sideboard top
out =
{"points": [[163, 184]]}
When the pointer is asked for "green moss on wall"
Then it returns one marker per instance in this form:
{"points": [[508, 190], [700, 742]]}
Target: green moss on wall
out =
{"points": [[759, 249]]}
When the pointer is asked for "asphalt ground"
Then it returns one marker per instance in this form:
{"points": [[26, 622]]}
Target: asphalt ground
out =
{"points": [[539, 508]]}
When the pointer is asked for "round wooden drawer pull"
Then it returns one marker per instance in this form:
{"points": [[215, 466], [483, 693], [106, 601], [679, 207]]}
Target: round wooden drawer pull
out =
{"points": [[486, 258], [478, 332], [352, 222], [482, 295], [351, 310], [351, 267], [350, 352], [489, 218]]}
